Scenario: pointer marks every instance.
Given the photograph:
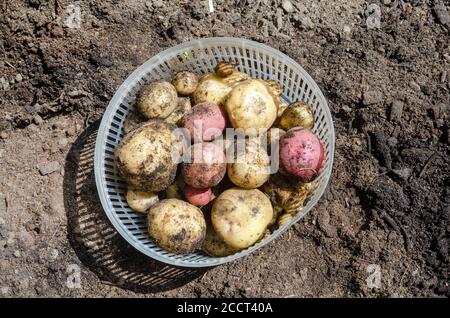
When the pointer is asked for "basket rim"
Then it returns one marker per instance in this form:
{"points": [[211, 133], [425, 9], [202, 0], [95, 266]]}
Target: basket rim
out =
{"points": [[121, 92]]}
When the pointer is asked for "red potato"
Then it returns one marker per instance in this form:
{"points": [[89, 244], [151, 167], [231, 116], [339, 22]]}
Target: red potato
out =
{"points": [[206, 167], [301, 154], [198, 196], [205, 121]]}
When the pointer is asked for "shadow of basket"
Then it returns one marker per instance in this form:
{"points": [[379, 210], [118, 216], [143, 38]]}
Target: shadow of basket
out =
{"points": [[94, 239]]}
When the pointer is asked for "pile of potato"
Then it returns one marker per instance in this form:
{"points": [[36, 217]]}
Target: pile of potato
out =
{"points": [[216, 204]]}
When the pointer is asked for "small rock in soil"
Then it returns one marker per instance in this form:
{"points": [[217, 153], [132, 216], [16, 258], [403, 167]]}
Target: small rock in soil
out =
{"points": [[442, 14], [443, 76], [38, 120], [62, 143], [415, 86], [4, 83], [4, 135], [287, 6], [372, 97], [19, 78], [17, 253], [403, 173], [396, 110], [47, 168]]}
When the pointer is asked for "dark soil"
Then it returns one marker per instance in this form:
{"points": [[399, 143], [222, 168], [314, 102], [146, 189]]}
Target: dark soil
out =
{"points": [[387, 206]]}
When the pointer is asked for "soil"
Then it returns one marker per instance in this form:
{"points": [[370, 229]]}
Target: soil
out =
{"points": [[381, 229]]}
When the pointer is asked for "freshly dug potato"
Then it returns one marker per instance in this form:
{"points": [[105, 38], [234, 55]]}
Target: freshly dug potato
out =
{"points": [[185, 82], [297, 115], [198, 196], [241, 216], [250, 168], [176, 226], [213, 245], [144, 157], [183, 107], [134, 120], [157, 100], [301, 154], [205, 121], [252, 107], [206, 167], [214, 89], [141, 201]]}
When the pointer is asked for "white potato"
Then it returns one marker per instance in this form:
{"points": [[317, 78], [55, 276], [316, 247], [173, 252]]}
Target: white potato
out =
{"points": [[240, 216]]}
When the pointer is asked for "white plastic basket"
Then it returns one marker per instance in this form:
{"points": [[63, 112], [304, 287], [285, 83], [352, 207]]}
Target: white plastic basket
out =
{"points": [[201, 56]]}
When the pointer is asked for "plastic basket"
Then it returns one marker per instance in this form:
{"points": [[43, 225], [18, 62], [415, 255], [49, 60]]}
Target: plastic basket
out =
{"points": [[201, 56]]}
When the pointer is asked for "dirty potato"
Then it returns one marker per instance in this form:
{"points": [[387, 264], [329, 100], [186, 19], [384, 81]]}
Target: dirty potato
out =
{"points": [[144, 157], [213, 244], [176, 226], [157, 100], [185, 82], [250, 167], [241, 216], [252, 107], [141, 201], [183, 107]]}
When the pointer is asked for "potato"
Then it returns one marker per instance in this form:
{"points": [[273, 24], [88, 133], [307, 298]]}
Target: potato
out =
{"points": [[141, 201], [215, 89], [185, 82], [176, 226], [252, 107], [213, 245], [241, 216], [301, 154], [144, 157], [206, 167], [183, 107], [157, 100], [205, 121], [297, 115], [198, 196], [250, 168]]}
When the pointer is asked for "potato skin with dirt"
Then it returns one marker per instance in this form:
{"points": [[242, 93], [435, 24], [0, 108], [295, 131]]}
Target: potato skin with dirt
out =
{"points": [[240, 216], [252, 107], [185, 82], [207, 167], [205, 121], [157, 100], [213, 245], [141, 201], [144, 157], [301, 154], [176, 226], [251, 167], [297, 115], [183, 107]]}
